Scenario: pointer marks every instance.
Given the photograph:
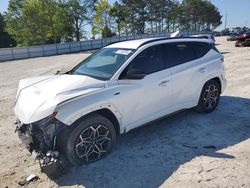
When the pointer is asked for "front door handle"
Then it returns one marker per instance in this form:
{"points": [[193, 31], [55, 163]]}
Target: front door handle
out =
{"points": [[163, 83], [202, 70]]}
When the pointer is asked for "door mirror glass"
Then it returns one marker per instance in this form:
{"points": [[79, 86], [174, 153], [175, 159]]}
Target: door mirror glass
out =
{"points": [[134, 74]]}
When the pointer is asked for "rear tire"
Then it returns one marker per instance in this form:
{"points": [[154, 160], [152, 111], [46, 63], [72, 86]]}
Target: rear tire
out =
{"points": [[209, 97], [91, 139]]}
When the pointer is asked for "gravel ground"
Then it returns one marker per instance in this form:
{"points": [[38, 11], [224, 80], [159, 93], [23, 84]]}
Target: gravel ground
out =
{"points": [[166, 153]]}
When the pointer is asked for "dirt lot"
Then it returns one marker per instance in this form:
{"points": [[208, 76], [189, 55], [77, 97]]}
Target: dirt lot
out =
{"points": [[151, 156]]}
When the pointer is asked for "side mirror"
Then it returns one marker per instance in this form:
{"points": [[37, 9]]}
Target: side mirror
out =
{"points": [[134, 74]]}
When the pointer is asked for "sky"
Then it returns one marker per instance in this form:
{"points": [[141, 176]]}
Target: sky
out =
{"points": [[238, 12]]}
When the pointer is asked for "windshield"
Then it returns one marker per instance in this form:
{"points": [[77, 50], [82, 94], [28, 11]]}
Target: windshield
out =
{"points": [[104, 63]]}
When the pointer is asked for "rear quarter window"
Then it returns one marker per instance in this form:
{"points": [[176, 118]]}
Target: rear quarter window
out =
{"points": [[201, 48], [214, 48]]}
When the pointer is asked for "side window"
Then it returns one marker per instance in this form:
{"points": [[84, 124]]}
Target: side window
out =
{"points": [[149, 61], [201, 48], [179, 53], [214, 48]]}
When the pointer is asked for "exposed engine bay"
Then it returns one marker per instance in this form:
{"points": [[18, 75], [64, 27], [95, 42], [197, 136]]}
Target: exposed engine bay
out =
{"points": [[41, 140]]}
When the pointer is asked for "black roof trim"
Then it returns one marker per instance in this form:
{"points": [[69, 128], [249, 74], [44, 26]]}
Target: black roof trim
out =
{"points": [[166, 38]]}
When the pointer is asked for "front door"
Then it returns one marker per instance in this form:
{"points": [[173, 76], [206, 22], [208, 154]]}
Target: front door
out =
{"points": [[143, 100]]}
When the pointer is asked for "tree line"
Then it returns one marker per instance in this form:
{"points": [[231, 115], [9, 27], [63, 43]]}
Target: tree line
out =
{"points": [[35, 22]]}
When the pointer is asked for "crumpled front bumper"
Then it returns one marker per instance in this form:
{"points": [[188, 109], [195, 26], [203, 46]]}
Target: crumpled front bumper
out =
{"points": [[41, 139]]}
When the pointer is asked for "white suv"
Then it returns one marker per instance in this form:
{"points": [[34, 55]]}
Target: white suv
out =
{"points": [[78, 115]]}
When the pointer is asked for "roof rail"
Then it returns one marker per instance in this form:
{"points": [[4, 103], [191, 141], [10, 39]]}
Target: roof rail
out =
{"points": [[165, 38]]}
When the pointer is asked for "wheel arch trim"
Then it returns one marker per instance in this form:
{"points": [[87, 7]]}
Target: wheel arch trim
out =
{"points": [[208, 78], [107, 110]]}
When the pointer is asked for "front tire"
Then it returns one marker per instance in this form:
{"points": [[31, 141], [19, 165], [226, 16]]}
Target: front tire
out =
{"points": [[209, 97], [90, 140]]}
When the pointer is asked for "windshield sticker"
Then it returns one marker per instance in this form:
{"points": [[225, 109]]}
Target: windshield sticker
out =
{"points": [[123, 52]]}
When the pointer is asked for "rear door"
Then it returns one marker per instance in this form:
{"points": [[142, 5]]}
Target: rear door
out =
{"points": [[187, 71]]}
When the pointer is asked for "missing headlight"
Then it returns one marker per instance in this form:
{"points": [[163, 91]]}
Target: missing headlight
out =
{"points": [[40, 136]]}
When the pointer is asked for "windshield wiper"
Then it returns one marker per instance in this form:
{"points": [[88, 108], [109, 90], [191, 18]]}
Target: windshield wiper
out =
{"points": [[60, 72]]}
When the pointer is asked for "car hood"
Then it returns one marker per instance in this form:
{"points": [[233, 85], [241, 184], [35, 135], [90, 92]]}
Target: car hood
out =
{"points": [[38, 97]]}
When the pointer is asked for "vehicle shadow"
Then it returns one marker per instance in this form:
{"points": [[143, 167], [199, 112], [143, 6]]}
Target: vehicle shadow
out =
{"points": [[147, 156]]}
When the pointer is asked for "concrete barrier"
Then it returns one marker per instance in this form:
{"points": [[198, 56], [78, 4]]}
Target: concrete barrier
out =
{"points": [[7, 54]]}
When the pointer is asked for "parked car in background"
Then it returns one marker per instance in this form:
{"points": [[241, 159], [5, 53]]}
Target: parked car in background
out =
{"points": [[216, 34], [232, 37], [78, 115], [206, 36], [243, 40], [225, 32]]}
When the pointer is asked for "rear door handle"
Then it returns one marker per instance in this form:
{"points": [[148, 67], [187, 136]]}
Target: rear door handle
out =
{"points": [[202, 70], [163, 83]]}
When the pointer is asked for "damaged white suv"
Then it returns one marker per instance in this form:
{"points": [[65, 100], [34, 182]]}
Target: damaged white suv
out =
{"points": [[78, 115]]}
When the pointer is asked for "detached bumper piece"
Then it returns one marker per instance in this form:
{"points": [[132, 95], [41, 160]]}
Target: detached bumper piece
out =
{"points": [[52, 164], [40, 138]]}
